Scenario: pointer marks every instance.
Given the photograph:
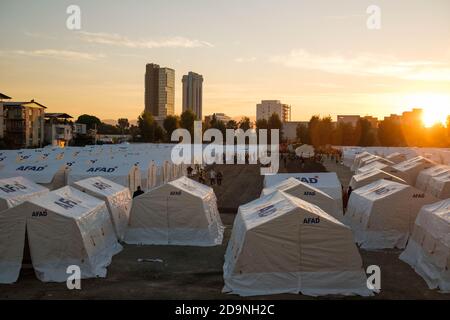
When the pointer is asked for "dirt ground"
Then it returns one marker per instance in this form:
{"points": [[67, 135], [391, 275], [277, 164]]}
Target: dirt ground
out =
{"points": [[196, 273]]}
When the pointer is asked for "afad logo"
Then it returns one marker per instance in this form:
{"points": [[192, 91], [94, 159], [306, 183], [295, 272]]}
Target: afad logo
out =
{"points": [[310, 180], [266, 211], [311, 220], [31, 168], [175, 193], [66, 203], [21, 158], [419, 195], [102, 169], [39, 213], [8, 188], [101, 185]]}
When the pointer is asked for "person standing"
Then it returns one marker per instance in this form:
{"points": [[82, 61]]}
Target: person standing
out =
{"points": [[138, 192], [189, 171], [212, 177], [219, 178]]}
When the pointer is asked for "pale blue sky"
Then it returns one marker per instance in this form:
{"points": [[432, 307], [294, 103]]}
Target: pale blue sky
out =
{"points": [[316, 55]]}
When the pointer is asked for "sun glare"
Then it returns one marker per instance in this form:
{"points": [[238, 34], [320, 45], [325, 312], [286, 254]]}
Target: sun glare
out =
{"points": [[436, 107]]}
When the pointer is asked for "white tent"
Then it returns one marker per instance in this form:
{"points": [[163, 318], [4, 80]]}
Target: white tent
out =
{"points": [[372, 166], [382, 213], [357, 159], [180, 212], [439, 186], [64, 227], [327, 182], [125, 174], [409, 170], [282, 244], [14, 191], [425, 176], [367, 177], [396, 157], [305, 151], [428, 249], [116, 197], [370, 159], [308, 193], [50, 174]]}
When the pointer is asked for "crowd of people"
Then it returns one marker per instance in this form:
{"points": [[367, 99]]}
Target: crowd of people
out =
{"points": [[214, 177]]}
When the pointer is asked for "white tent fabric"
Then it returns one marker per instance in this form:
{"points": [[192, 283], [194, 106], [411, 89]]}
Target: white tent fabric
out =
{"points": [[382, 214], [357, 159], [409, 170], [372, 158], [50, 174], [117, 199], [396, 157], [305, 151], [125, 174], [282, 244], [327, 182], [428, 249], [372, 166], [308, 193], [367, 177], [439, 186], [64, 227], [180, 212], [425, 176], [14, 191]]}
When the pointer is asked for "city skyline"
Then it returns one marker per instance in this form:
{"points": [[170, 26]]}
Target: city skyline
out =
{"points": [[319, 57]]}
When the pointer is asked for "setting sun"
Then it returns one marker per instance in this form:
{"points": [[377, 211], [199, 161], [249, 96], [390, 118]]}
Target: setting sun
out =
{"points": [[436, 107]]}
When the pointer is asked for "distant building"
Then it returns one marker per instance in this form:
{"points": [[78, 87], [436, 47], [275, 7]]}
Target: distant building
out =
{"points": [[393, 117], [351, 119], [219, 116], [413, 117], [372, 120], [58, 129], [22, 124], [268, 107], [193, 93], [289, 129], [159, 91]]}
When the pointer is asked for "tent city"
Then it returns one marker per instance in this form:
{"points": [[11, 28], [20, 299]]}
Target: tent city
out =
{"points": [[217, 150]]}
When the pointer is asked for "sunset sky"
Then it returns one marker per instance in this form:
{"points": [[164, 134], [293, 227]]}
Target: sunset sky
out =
{"points": [[315, 55]]}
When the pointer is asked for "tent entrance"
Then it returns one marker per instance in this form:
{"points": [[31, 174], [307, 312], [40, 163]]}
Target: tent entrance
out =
{"points": [[27, 265]]}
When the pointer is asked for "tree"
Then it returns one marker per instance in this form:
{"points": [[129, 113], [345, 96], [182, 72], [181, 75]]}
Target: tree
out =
{"points": [[159, 133], [448, 126], [91, 122], [390, 133], [187, 119], [217, 124], [135, 132], [245, 123], [262, 124], [302, 133], [320, 130], [170, 124], [123, 125], [147, 126], [366, 136], [105, 128], [231, 124]]}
